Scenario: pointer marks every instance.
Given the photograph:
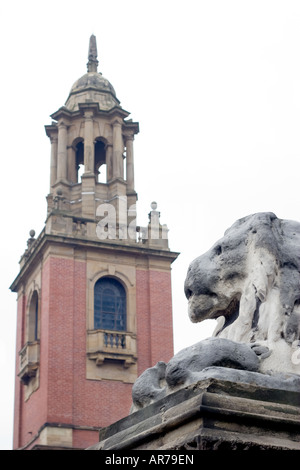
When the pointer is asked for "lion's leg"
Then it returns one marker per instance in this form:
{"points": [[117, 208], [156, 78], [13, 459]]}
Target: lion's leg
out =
{"points": [[149, 386]]}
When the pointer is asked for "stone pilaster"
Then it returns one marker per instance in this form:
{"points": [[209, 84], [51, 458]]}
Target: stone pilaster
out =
{"points": [[72, 170], [62, 152], [129, 164], [109, 162], [89, 153], [117, 150], [88, 187], [53, 164]]}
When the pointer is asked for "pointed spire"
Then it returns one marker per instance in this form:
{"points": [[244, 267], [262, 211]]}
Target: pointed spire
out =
{"points": [[92, 64]]}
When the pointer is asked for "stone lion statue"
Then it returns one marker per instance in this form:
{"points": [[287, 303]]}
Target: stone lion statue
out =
{"points": [[250, 282]]}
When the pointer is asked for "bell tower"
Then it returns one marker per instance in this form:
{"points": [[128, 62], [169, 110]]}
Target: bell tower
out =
{"points": [[94, 288], [91, 132]]}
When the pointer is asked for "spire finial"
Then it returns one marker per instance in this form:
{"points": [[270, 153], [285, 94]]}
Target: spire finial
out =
{"points": [[92, 64]]}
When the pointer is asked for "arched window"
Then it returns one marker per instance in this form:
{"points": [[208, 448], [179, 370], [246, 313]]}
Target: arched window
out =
{"points": [[33, 318], [109, 305]]}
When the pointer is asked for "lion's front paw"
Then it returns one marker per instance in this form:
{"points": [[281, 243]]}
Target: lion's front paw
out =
{"points": [[261, 351]]}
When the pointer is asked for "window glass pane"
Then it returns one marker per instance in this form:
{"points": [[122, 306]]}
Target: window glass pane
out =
{"points": [[33, 318], [109, 305]]}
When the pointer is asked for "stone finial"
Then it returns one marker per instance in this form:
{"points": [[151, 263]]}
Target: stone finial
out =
{"points": [[154, 214], [31, 240], [92, 64]]}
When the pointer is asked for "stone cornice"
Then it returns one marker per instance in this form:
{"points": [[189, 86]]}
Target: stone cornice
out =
{"points": [[51, 130], [62, 112], [130, 128], [44, 240], [65, 112]]}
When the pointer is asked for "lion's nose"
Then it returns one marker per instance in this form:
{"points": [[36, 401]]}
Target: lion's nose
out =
{"points": [[188, 292], [188, 289], [200, 278], [188, 283]]}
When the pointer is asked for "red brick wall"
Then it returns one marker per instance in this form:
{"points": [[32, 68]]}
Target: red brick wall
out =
{"points": [[65, 395], [72, 398], [60, 337], [18, 386], [30, 415], [154, 318], [161, 316], [84, 438], [143, 320]]}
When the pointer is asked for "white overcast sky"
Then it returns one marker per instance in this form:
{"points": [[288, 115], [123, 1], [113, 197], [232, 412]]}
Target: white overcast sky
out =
{"points": [[215, 86]]}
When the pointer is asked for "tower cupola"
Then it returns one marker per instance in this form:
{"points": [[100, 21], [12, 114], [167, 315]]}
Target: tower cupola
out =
{"points": [[92, 86], [91, 147]]}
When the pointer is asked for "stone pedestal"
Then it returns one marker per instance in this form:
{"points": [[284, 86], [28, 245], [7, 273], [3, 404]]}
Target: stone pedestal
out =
{"points": [[213, 414]]}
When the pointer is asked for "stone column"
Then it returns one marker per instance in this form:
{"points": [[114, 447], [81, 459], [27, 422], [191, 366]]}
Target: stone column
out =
{"points": [[72, 170], [129, 163], [109, 163], [89, 152], [62, 152], [53, 162], [117, 150]]}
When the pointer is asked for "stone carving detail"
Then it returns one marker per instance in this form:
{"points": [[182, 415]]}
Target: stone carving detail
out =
{"points": [[79, 227], [250, 282]]}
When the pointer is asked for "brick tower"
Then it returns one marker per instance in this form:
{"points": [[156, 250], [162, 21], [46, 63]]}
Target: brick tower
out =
{"points": [[94, 289]]}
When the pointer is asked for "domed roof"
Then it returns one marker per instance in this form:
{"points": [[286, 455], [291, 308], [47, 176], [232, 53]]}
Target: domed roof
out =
{"points": [[93, 80], [92, 86]]}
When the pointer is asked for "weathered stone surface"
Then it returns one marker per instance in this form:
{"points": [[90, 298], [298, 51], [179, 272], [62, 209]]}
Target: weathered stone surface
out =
{"points": [[250, 281], [212, 358], [185, 365], [211, 414], [148, 387]]}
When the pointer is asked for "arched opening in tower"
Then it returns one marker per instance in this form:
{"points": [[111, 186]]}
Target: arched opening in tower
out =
{"points": [[100, 161], [79, 156]]}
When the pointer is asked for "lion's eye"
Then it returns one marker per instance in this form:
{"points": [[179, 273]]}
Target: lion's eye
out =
{"points": [[218, 250]]}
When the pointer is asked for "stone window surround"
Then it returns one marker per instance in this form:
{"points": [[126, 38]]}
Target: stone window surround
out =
{"points": [[125, 355], [30, 352], [118, 273], [110, 319]]}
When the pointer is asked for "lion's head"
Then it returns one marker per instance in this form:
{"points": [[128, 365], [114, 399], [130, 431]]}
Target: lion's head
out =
{"points": [[250, 281]]}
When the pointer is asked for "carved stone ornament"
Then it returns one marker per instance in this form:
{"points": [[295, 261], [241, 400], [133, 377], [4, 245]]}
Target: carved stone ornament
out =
{"points": [[250, 282]]}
